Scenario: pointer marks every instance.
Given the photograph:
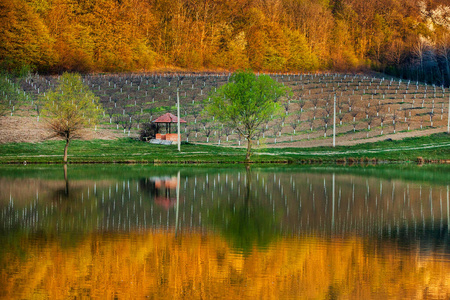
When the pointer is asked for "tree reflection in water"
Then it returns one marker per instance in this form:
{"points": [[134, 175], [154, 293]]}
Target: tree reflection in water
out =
{"points": [[253, 233], [244, 221]]}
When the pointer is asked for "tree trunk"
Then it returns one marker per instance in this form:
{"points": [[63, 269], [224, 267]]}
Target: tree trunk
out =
{"points": [[248, 185], [66, 147], [66, 192], [249, 149]]}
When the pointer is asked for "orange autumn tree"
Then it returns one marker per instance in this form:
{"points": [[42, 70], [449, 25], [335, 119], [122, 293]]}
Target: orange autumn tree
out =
{"points": [[24, 39]]}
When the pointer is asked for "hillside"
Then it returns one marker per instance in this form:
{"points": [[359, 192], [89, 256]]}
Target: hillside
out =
{"points": [[368, 108]]}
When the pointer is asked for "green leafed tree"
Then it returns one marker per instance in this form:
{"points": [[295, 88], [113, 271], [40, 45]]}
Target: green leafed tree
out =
{"points": [[246, 103], [71, 108]]}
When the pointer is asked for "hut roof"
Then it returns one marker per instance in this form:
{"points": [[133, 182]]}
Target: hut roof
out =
{"points": [[168, 118]]}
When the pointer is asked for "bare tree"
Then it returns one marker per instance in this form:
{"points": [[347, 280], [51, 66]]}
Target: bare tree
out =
{"points": [[110, 111], [117, 117], [187, 132], [405, 113], [394, 119], [315, 102], [286, 106], [340, 117], [326, 120], [311, 123], [123, 121], [208, 130], [294, 126], [382, 119], [38, 107], [339, 104], [369, 119], [354, 113], [378, 108], [227, 131], [431, 114], [279, 128], [328, 110], [301, 104], [138, 117], [351, 104], [219, 135], [195, 113], [196, 130], [443, 52]]}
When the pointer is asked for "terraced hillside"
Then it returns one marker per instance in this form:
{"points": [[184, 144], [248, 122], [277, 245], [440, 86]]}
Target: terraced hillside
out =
{"points": [[366, 106]]}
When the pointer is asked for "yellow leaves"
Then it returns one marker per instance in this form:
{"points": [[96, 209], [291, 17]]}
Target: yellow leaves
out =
{"points": [[199, 265], [132, 35], [24, 38]]}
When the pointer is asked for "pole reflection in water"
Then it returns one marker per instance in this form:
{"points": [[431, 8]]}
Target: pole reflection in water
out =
{"points": [[195, 233]]}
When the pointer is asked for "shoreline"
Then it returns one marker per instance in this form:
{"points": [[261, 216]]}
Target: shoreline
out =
{"points": [[432, 149]]}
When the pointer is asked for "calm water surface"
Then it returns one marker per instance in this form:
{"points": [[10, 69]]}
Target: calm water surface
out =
{"points": [[132, 232]]}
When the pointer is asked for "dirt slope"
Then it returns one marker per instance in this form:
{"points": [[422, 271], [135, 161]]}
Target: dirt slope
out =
{"points": [[28, 129]]}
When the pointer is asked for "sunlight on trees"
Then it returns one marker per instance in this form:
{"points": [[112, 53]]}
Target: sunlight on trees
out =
{"points": [[70, 108], [275, 36]]}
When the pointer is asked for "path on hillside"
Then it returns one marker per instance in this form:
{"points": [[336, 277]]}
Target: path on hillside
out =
{"points": [[397, 136], [340, 141]]}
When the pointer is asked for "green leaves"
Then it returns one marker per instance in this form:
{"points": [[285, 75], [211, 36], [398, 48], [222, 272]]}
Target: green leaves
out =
{"points": [[246, 103], [71, 107], [247, 99]]}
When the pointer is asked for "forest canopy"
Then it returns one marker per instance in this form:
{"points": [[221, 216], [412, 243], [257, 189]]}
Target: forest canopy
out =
{"points": [[407, 38]]}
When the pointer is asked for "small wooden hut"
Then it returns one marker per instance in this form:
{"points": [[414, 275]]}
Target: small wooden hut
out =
{"points": [[167, 119]]}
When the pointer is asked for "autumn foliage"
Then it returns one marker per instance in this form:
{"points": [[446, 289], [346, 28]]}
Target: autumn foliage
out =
{"points": [[404, 37], [203, 266]]}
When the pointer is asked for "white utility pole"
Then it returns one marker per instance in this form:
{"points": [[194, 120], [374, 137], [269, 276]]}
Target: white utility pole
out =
{"points": [[334, 198], [178, 203]]}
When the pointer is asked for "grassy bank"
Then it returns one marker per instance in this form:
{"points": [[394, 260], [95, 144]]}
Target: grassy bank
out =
{"points": [[431, 148]]}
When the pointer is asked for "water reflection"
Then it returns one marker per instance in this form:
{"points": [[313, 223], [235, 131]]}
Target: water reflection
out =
{"points": [[197, 265], [305, 202], [194, 233], [243, 220]]}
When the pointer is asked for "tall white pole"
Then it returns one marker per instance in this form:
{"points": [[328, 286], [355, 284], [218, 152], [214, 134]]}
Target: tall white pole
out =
{"points": [[178, 119], [334, 122], [178, 202], [332, 216]]}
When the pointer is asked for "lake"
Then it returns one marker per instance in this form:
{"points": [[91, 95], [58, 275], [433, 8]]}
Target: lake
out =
{"points": [[282, 232]]}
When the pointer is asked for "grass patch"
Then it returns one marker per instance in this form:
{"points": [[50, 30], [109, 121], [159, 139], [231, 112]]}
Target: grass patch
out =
{"points": [[127, 150]]}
